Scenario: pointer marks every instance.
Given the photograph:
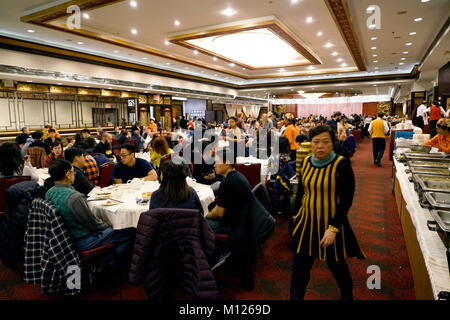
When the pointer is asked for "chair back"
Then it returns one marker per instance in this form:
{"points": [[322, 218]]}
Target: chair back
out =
{"points": [[5, 183], [131, 141], [105, 174], [252, 171], [38, 156], [356, 134]]}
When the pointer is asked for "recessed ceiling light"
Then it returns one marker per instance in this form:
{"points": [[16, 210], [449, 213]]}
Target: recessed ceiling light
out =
{"points": [[168, 63], [405, 52], [401, 63], [215, 74], [373, 38], [228, 12], [282, 70], [409, 44], [133, 31], [412, 33], [311, 67], [232, 64], [133, 4], [30, 30], [79, 42], [176, 22], [374, 55], [195, 52], [109, 88], [166, 43], [372, 26], [373, 48], [144, 58], [334, 54], [59, 83], [329, 45], [309, 20], [425, 0], [214, 58], [340, 60], [145, 91], [187, 68], [403, 59], [370, 9], [86, 15], [319, 33], [243, 68], [418, 19], [116, 51], [376, 68], [375, 61], [29, 80], [343, 65]]}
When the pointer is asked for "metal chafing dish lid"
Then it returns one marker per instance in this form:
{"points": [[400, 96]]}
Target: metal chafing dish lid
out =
{"points": [[438, 200]]}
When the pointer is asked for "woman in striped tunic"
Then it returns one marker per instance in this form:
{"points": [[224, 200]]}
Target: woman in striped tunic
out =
{"points": [[321, 227]]}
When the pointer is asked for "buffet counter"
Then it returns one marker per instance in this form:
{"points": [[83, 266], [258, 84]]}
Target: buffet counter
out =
{"points": [[426, 250]]}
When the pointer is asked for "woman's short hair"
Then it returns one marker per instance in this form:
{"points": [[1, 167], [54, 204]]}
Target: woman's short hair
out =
{"points": [[55, 144], [58, 168], [160, 146], [232, 118], [284, 145], [321, 129], [37, 135]]}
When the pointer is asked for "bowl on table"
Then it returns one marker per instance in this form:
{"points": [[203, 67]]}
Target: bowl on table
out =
{"points": [[421, 149]]}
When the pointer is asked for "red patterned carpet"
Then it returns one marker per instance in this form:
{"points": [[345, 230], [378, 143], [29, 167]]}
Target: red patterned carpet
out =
{"points": [[375, 222]]}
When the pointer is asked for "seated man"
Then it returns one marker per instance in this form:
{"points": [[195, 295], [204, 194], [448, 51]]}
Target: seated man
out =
{"points": [[234, 192], [75, 156], [91, 170], [105, 145], [37, 136], [22, 138], [51, 137], [130, 167], [85, 228]]}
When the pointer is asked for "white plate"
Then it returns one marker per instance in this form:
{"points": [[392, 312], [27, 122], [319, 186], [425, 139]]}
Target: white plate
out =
{"points": [[111, 203]]}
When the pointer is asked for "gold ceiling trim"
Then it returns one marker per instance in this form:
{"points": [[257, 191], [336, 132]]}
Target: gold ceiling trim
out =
{"points": [[273, 25], [16, 44], [341, 16]]}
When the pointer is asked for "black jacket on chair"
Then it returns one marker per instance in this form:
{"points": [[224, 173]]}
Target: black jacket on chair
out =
{"points": [[13, 224]]}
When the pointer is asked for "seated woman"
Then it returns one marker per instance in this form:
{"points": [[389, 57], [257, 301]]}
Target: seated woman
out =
{"points": [[160, 148], [57, 152], [174, 192], [442, 139], [12, 164]]}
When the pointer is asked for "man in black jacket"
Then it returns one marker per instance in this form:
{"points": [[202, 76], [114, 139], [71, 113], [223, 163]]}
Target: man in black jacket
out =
{"points": [[81, 184]]}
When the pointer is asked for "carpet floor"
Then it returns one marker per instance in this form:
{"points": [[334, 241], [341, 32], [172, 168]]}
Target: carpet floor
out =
{"points": [[374, 220]]}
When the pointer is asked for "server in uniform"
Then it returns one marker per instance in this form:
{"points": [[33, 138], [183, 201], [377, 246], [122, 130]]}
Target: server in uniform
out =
{"points": [[436, 112], [321, 229]]}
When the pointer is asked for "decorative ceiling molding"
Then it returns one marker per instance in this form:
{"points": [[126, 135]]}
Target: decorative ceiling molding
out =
{"points": [[48, 18], [270, 23], [341, 15], [45, 50]]}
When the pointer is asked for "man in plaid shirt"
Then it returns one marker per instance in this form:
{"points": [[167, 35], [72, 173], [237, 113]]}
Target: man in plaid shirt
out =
{"points": [[91, 169]]}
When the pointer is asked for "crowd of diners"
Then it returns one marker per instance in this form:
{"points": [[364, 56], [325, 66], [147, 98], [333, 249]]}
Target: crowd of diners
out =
{"points": [[320, 232]]}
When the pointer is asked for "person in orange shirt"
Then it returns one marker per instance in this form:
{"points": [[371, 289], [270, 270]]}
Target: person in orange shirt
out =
{"points": [[291, 133], [442, 139], [152, 126]]}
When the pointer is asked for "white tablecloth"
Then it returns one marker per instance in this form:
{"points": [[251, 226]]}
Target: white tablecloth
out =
{"points": [[264, 165], [431, 245], [126, 214], [43, 174]]}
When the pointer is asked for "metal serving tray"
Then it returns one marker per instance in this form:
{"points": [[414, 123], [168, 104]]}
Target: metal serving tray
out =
{"points": [[426, 156], [429, 171], [442, 217], [433, 182], [429, 163], [438, 200]]}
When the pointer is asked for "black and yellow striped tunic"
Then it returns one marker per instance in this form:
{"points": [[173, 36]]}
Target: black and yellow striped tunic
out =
{"points": [[326, 195]]}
